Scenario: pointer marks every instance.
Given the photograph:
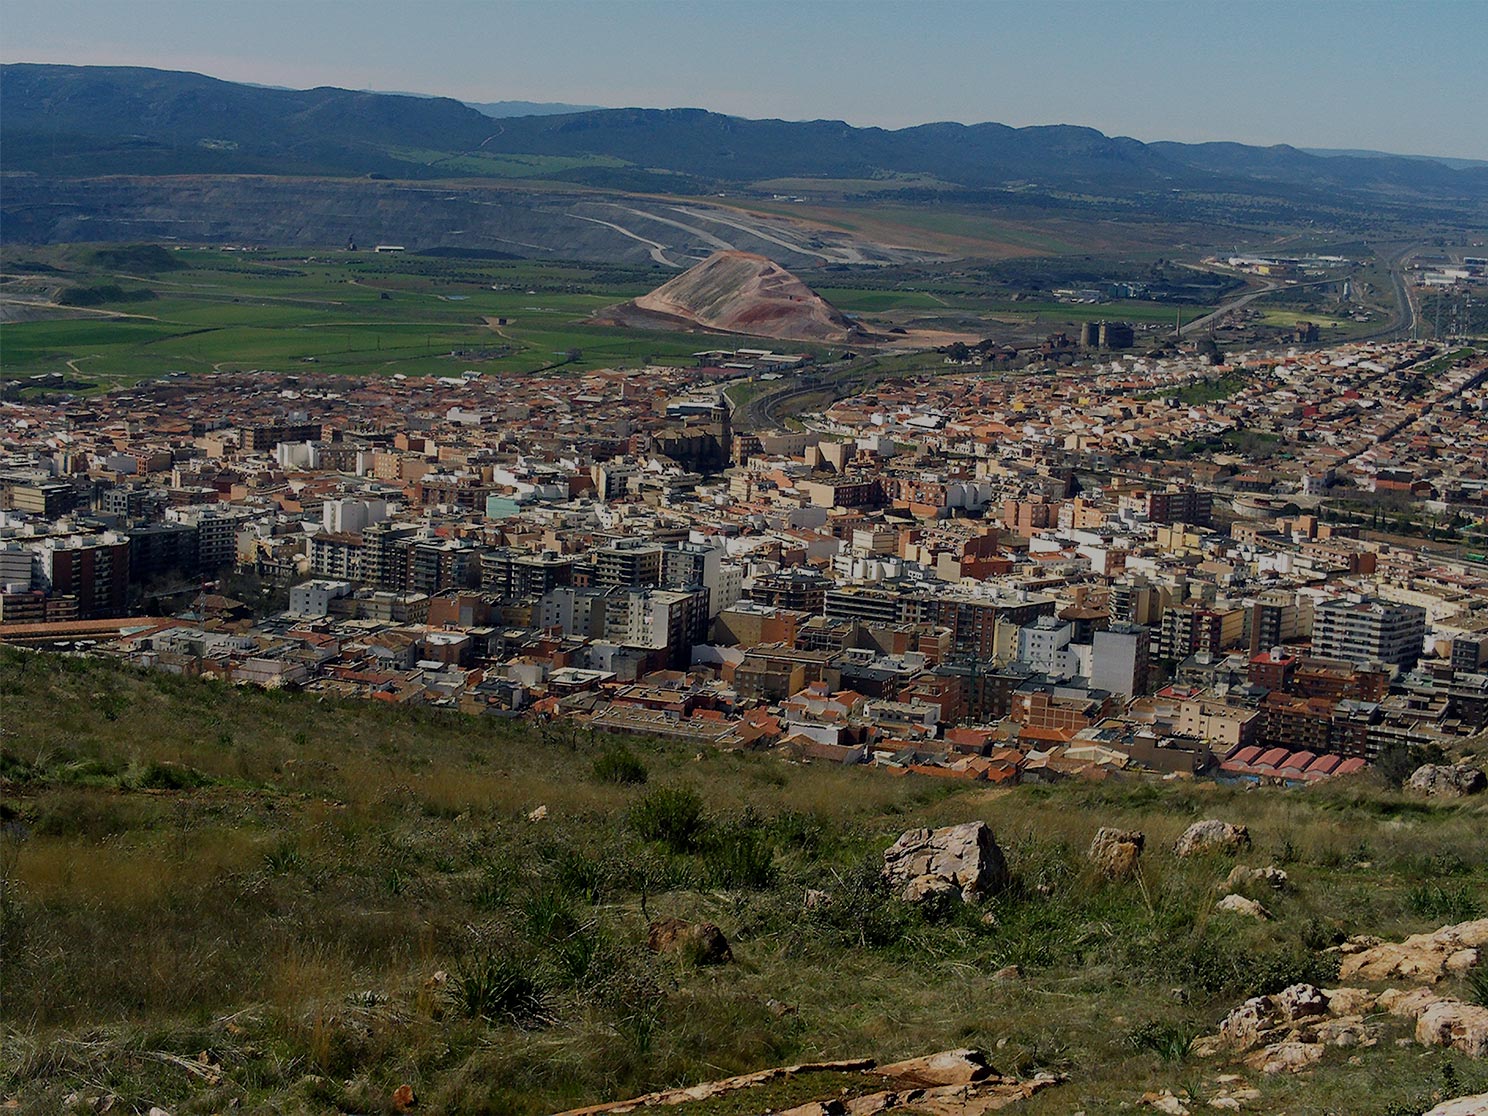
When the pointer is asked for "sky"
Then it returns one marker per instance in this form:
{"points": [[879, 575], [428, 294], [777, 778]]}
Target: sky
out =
{"points": [[1405, 77]]}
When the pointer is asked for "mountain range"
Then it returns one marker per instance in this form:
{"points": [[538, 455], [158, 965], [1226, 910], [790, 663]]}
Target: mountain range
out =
{"points": [[82, 121]]}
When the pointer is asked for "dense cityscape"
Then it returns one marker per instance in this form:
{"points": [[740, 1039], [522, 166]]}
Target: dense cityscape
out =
{"points": [[1150, 564]]}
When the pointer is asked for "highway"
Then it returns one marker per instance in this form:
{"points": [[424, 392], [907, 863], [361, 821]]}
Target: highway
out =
{"points": [[1234, 304]]}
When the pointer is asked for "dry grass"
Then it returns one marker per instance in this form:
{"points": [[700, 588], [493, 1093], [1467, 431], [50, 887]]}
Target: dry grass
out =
{"points": [[276, 881]]}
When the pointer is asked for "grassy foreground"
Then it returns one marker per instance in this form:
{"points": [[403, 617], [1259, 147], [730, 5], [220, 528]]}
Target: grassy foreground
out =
{"points": [[216, 897]]}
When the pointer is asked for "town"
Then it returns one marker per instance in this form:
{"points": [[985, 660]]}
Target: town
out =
{"points": [[1263, 569]]}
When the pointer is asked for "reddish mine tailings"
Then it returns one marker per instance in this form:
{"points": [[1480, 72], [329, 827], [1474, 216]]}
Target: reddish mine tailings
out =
{"points": [[740, 292]]}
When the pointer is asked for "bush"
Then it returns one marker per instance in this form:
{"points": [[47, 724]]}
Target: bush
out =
{"points": [[499, 987], [1433, 900], [1169, 1041], [619, 765], [740, 856], [168, 776], [861, 910], [672, 816]]}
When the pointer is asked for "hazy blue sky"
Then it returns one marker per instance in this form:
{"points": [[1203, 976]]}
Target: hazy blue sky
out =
{"points": [[1406, 77]]}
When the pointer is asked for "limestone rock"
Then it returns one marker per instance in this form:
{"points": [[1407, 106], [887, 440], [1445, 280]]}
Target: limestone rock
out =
{"points": [[1452, 1023], [1241, 877], [1423, 957], [949, 1067], [1245, 1027], [1240, 905], [1407, 1001], [1448, 780], [1286, 1057], [538, 814], [1300, 1001], [927, 887], [703, 941], [1165, 1102], [965, 856], [1349, 1001], [1350, 1030], [1115, 852], [1212, 836], [1462, 1106]]}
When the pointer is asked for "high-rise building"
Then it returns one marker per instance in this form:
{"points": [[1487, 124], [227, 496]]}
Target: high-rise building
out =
{"points": [[1119, 660], [92, 568], [1360, 629]]}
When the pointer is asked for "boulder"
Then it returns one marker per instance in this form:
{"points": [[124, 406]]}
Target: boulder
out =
{"points": [[1212, 836], [702, 942], [1241, 877], [1448, 780], [1240, 905], [927, 887], [1423, 957], [1452, 1023], [1115, 852], [965, 857]]}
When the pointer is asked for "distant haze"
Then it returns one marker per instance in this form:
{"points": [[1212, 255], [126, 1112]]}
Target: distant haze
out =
{"points": [[1337, 74]]}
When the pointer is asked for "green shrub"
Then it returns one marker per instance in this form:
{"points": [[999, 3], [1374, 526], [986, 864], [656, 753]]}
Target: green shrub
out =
{"points": [[672, 816], [579, 876], [1433, 900], [548, 917], [168, 776], [860, 910], [740, 856], [619, 765], [1169, 1041], [499, 987]]}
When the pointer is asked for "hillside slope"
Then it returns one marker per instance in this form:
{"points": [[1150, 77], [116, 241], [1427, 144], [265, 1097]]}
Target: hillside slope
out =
{"points": [[214, 898]]}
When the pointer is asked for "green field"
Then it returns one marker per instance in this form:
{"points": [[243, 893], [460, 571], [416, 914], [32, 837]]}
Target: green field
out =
{"points": [[348, 313]]}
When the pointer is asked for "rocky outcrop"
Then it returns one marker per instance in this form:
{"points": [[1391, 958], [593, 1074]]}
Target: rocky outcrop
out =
{"points": [[1290, 1031], [1454, 1024], [949, 1067], [1448, 780], [701, 942], [1115, 852], [1212, 836], [964, 858], [1441, 1020], [1421, 957]]}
